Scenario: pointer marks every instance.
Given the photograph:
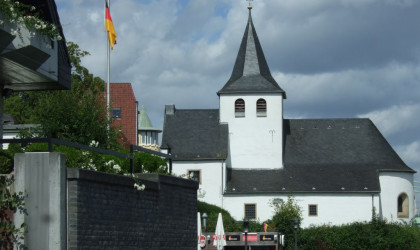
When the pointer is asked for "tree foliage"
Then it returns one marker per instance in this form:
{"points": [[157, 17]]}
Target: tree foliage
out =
{"points": [[229, 223], [78, 115], [285, 213], [10, 203]]}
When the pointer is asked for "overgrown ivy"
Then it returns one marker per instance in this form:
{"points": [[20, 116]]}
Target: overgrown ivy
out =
{"points": [[10, 203]]}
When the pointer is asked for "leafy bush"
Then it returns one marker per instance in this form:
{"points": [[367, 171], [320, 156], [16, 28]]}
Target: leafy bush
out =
{"points": [[84, 159], [147, 163], [6, 162], [283, 219], [9, 203], [6, 158], [229, 223], [376, 234]]}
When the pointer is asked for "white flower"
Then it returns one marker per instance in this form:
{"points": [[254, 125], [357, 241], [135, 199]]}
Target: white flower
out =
{"points": [[116, 168], [139, 187], [94, 143], [109, 163]]}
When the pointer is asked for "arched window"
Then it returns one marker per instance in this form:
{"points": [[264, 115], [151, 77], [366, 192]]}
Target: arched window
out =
{"points": [[240, 108], [261, 107], [403, 206]]}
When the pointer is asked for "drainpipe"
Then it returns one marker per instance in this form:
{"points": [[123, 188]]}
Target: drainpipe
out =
{"points": [[223, 180], [170, 161], [1, 114], [373, 206]]}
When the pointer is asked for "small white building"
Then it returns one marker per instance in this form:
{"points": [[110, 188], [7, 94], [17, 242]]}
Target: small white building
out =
{"points": [[245, 154], [148, 136]]}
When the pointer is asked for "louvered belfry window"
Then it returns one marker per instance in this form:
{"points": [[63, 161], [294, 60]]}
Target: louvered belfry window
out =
{"points": [[261, 107], [239, 108]]}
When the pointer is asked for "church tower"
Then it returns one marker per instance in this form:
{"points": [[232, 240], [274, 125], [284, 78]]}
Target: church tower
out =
{"points": [[251, 103]]}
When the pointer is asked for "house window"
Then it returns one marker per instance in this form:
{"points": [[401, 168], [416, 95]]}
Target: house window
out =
{"points": [[154, 142], [194, 175], [313, 210], [240, 108], [403, 206], [143, 138], [116, 113], [250, 211], [261, 108], [149, 137]]}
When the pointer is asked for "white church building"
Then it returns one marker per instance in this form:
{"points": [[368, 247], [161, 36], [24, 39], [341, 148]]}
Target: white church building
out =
{"points": [[245, 154]]}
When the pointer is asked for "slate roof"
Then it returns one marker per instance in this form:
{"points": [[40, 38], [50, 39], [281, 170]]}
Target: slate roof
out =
{"points": [[320, 155], [324, 155], [251, 73], [194, 134]]}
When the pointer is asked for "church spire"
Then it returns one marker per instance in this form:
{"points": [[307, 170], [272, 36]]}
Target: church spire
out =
{"points": [[251, 73]]}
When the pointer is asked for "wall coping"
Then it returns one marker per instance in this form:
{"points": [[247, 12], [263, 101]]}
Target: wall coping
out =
{"points": [[151, 181]]}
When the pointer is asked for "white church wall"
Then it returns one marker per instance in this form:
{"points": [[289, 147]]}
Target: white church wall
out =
{"points": [[254, 141], [392, 185], [211, 183], [334, 209]]}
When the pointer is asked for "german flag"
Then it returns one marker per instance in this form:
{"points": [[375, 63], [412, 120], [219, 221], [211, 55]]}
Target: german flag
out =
{"points": [[109, 26]]}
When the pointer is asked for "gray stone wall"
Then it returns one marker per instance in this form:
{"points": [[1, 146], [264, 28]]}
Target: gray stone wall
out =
{"points": [[106, 212]]}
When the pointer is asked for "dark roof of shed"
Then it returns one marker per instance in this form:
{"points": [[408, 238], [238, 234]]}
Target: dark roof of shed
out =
{"points": [[194, 134], [324, 155], [251, 73]]}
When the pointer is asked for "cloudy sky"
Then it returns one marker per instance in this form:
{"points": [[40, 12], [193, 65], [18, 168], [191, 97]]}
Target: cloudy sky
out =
{"points": [[334, 58]]}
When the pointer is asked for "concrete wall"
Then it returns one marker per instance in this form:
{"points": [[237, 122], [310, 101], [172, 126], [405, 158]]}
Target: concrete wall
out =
{"points": [[42, 176], [81, 209]]}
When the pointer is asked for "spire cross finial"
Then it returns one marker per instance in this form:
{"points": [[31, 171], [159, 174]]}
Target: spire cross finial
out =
{"points": [[249, 4]]}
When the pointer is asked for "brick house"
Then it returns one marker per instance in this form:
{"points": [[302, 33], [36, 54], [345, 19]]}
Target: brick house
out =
{"points": [[124, 111]]}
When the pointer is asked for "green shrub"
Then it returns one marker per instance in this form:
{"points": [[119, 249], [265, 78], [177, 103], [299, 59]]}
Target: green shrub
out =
{"points": [[283, 219], [148, 163], [229, 223], [6, 162], [376, 234]]}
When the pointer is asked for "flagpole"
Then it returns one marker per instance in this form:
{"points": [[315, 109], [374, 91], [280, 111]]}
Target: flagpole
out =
{"points": [[108, 55]]}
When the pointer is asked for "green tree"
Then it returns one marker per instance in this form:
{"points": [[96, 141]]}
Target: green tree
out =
{"points": [[77, 115], [284, 214]]}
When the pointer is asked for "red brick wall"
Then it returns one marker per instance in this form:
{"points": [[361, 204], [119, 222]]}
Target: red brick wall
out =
{"points": [[122, 96]]}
